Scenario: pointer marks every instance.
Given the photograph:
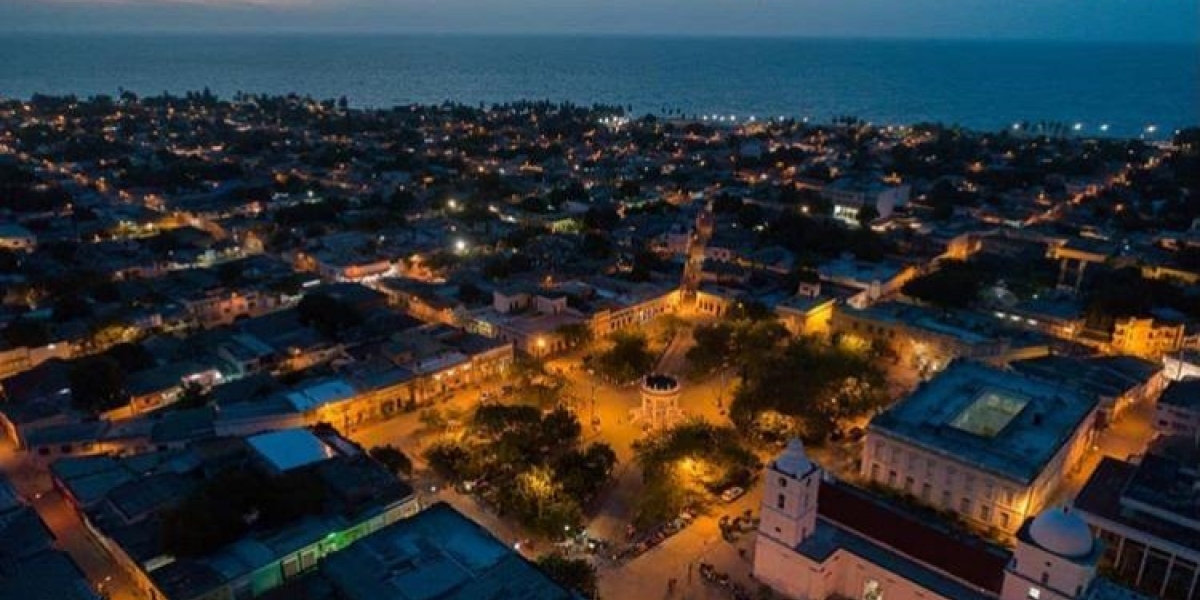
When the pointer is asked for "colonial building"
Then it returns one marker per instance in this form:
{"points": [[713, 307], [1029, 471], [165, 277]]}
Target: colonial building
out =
{"points": [[989, 445], [819, 539], [924, 338]]}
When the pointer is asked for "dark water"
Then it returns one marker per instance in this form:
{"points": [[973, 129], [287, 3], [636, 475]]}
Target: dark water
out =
{"points": [[984, 85]]}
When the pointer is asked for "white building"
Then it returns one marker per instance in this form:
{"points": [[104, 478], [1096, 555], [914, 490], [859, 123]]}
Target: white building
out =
{"points": [[820, 539], [990, 445], [849, 196], [1178, 410]]}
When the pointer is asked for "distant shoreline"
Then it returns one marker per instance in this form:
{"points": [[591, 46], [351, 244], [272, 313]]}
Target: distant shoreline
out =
{"points": [[978, 85]]}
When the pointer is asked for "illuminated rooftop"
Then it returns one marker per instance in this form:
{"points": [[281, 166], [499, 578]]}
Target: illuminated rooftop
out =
{"points": [[990, 413], [993, 419]]}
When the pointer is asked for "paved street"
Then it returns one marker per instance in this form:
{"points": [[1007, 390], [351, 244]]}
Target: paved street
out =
{"points": [[1126, 437], [69, 532], [679, 558]]}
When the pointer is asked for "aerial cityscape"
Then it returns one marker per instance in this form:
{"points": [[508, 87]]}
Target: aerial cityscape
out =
{"points": [[320, 316]]}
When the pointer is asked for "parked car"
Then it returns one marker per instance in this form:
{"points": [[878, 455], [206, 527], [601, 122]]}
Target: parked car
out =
{"points": [[732, 494]]}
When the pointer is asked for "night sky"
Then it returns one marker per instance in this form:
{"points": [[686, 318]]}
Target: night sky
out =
{"points": [[1098, 20]]}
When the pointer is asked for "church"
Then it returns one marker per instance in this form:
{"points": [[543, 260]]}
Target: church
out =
{"points": [[820, 539]]}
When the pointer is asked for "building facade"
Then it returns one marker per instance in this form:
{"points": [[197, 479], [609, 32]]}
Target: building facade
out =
{"points": [[989, 445]]}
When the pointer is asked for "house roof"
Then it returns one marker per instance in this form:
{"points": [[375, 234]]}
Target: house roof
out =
{"points": [[960, 555]]}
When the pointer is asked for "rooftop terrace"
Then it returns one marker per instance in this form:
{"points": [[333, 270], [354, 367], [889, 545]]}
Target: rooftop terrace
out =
{"points": [[1001, 421]]}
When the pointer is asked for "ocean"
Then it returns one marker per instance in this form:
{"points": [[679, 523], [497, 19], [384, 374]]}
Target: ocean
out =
{"points": [[975, 84]]}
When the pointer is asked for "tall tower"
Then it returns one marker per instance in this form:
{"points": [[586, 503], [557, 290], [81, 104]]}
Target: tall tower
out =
{"points": [[1055, 558], [789, 503]]}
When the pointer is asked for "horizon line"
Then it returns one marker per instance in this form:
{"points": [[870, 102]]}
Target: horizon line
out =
{"points": [[331, 31]]}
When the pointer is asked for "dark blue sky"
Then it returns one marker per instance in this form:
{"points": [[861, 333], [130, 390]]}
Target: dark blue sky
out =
{"points": [[1100, 20]]}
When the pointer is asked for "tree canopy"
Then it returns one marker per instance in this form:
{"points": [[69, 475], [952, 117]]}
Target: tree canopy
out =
{"points": [[811, 384], [955, 284]]}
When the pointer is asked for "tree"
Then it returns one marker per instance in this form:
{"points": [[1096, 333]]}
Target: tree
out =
{"points": [[837, 384], [955, 284], [450, 460], [237, 501], [601, 218], [327, 314], [393, 458], [575, 334], [627, 359], [583, 474], [595, 246], [97, 383], [733, 342], [866, 215], [713, 346], [683, 464], [26, 332], [574, 573]]}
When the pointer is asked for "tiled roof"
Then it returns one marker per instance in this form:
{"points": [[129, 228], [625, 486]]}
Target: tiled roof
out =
{"points": [[959, 555]]}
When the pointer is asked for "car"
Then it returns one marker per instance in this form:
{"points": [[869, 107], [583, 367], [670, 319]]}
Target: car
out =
{"points": [[732, 494]]}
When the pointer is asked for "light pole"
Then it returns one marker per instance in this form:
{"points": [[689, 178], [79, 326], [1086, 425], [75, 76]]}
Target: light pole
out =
{"points": [[595, 422]]}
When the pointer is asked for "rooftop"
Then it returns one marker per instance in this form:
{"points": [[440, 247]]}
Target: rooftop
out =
{"points": [[290, 448], [1004, 422], [1105, 493], [1184, 394], [953, 564], [437, 554]]}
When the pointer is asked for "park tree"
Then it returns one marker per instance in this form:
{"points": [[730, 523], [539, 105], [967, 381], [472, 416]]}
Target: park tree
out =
{"points": [[810, 383], [628, 358], [574, 573], [392, 458]]}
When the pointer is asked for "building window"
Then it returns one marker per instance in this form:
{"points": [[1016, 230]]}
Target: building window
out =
{"points": [[1045, 577], [782, 482], [964, 507], [1003, 520], [985, 513], [780, 501]]}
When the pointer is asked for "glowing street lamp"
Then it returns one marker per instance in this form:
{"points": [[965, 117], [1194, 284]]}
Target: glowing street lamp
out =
{"points": [[460, 246]]}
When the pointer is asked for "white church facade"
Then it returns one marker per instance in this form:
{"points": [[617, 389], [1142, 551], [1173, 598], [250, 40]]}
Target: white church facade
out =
{"points": [[820, 539]]}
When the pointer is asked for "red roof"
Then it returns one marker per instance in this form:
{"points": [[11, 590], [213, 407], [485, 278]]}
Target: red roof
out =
{"points": [[958, 554]]}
